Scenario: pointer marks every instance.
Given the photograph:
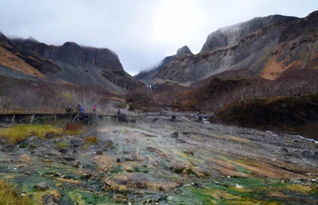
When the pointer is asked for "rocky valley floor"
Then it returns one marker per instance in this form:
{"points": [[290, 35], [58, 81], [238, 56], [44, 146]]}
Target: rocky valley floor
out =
{"points": [[157, 161]]}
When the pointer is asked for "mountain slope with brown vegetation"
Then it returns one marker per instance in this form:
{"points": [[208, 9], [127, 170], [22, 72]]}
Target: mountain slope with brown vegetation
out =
{"points": [[70, 62], [288, 103], [37, 76], [9, 60]]}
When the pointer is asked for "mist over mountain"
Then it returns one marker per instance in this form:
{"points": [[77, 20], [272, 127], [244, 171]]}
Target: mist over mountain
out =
{"points": [[266, 46]]}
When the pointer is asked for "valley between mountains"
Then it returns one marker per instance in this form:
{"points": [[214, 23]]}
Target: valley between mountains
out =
{"points": [[235, 123]]}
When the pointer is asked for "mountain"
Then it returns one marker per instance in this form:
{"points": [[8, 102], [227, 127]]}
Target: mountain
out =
{"points": [[150, 76], [73, 63], [265, 46], [69, 68], [261, 73]]}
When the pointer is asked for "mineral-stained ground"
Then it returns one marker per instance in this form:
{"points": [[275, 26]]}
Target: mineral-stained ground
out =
{"points": [[157, 161]]}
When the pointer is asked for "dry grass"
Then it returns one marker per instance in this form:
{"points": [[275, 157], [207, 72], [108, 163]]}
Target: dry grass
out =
{"points": [[9, 196], [18, 133], [299, 188], [10, 60]]}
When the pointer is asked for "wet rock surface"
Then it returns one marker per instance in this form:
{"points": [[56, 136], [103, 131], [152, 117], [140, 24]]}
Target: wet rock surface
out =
{"points": [[167, 162]]}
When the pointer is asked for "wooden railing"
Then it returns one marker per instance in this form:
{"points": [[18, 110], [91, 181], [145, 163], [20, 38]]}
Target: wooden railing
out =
{"points": [[17, 111], [24, 111]]}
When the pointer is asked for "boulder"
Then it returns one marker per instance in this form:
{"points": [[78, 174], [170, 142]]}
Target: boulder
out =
{"points": [[50, 200], [121, 117], [77, 142], [99, 152], [284, 149], [63, 150], [7, 148], [175, 135], [42, 186], [50, 135], [69, 158], [109, 145]]}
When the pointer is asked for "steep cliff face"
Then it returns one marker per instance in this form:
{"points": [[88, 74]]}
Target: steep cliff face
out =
{"points": [[265, 46], [76, 64]]}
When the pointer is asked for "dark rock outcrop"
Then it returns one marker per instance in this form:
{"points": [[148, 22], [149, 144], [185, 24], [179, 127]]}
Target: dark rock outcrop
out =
{"points": [[77, 64], [151, 75]]}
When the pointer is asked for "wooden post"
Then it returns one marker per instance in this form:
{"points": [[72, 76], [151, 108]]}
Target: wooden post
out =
{"points": [[54, 117], [32, 118], [13, 120], [76, 117]]}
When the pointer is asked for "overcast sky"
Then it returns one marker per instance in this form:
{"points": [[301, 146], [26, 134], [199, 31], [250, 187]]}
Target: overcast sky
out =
{"points": [[141, 32]]}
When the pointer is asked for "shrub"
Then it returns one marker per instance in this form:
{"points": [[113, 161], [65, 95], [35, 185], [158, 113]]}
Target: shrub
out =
{"points": [[91, 140], [74, 126], [61, 145]]}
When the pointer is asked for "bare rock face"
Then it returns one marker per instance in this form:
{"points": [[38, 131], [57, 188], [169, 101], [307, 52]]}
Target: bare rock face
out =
{"points": [[265, 46], [184, 51], [77, 64], [232, 35]]}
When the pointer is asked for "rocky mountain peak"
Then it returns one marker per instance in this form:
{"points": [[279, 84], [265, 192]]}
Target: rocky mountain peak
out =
{"points": [[184, 51], [3, 40], [71, 45], [31, 39], [313, 15]]}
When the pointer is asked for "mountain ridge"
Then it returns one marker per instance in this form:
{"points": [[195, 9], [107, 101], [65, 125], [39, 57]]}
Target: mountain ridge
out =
{"points": [[81, 65], [35, 75], [260, 45]]}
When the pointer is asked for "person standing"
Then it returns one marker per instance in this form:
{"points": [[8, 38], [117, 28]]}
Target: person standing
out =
{"points": [[94, 108], [78, 108]]}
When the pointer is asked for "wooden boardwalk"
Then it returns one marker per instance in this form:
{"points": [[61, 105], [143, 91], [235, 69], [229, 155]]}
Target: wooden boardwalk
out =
{"points": [[32, 117], [23, 116]]}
